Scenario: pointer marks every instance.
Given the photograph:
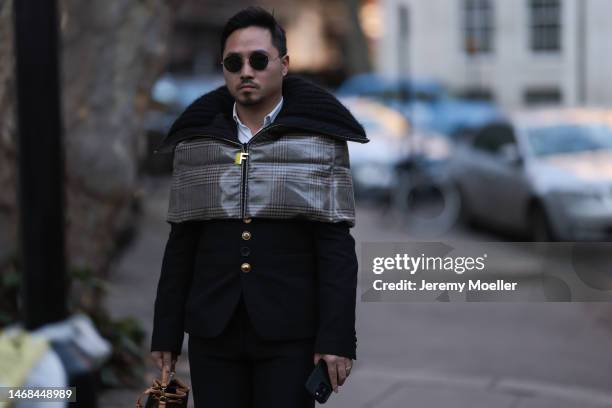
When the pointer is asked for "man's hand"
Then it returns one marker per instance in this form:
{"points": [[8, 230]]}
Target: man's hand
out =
{"points": [[338, 368], [164, 360]]}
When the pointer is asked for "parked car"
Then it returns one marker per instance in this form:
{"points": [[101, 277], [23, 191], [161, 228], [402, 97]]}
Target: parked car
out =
{"points": [[374, 165], [424, 102], [546, 172]]}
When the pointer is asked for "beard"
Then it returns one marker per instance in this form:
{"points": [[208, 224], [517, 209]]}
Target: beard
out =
{"points": [[249, 99]]}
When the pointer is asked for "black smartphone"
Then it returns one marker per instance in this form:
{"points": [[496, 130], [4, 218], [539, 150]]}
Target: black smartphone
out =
{"points": [[318, 383]]}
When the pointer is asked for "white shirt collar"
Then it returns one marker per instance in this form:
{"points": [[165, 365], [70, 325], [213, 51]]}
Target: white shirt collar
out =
{"points": [[270, 117]]}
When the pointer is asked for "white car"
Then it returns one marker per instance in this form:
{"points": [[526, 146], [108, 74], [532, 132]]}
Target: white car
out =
{"points": [[546, 172], [391, 140]]}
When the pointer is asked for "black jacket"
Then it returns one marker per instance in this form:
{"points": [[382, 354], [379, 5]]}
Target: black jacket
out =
{"points": [[301, 277]]}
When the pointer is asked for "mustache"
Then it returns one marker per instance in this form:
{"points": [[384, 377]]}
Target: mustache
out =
{"points": [[243, 83]]}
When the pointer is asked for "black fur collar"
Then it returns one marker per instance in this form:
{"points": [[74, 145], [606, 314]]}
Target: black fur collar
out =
{"points": [[306, 106]]}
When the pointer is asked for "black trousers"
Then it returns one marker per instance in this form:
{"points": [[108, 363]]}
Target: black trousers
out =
{"points": [[239, 369]]}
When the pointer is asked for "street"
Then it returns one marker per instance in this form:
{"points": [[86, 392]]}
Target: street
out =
{"points": [[506, 355]]}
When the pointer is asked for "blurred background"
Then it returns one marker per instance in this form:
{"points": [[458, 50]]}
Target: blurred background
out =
{"points": [[489, 120]]}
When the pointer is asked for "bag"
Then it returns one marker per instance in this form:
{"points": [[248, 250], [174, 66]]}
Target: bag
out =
{"points": [[167, 392]]}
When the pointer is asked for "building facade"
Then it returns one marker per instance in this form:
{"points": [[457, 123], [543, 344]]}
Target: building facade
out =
{"points": [[515, 52], [322, 38]]}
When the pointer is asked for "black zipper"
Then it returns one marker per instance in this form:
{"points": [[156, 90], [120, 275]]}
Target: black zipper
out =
{"points": [[243, 185], [244, 164]]}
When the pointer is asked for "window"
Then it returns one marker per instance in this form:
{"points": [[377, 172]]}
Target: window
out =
{"points": [[545, 25], [569, 138], [477, 94], [543, 96], [478, 26], [491, 138]]}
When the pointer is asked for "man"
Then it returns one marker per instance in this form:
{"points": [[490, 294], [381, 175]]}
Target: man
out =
{"points": [[259, 268]]}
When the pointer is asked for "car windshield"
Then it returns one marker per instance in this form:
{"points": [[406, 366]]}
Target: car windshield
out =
{"points": [[560, 139]]}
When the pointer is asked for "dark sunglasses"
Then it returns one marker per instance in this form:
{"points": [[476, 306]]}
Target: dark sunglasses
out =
{"points": [[257, 60]]}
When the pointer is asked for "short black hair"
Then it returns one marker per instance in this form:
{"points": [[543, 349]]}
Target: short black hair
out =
{"points": [[256, 16]]}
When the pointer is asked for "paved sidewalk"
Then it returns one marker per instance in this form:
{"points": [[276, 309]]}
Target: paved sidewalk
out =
{"points": [[441, 373], [133, 284], [369, 388]]}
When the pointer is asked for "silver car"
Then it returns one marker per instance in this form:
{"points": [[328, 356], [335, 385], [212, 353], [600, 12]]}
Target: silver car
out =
{"points": [[545, 172]]}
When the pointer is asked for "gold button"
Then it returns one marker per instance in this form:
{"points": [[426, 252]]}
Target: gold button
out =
{"points": [[246, 235], [247, 220], [245, 267]]}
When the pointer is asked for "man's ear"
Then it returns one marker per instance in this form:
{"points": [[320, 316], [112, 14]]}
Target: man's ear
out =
{"points": [[285, 62]]}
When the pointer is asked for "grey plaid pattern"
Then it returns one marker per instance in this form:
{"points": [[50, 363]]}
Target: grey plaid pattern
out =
{"points": [[295, 176]]}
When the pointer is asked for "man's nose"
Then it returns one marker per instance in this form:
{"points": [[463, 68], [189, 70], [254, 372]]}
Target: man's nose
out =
{"points": [[247, 70]]}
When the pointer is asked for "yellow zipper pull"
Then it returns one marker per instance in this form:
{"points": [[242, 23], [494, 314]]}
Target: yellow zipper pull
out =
{"points": [[240, 157]]}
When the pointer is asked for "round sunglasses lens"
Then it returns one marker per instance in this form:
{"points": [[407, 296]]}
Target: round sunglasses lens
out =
{"points": [[258, 61], [233, 63]]}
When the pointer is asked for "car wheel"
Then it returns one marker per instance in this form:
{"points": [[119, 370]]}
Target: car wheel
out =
{"points": [[466, 217], [539, 225], [430, 208]]}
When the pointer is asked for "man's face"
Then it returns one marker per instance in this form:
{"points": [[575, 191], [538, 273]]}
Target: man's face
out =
{"points": [[249, 86]]}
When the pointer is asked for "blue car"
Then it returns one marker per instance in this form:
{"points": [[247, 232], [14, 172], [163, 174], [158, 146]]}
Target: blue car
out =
{"points": [[424, 102]]}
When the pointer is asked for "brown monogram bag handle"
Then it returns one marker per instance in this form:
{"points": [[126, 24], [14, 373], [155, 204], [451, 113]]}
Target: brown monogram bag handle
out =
{"points": [[169, 392]]}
